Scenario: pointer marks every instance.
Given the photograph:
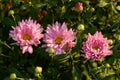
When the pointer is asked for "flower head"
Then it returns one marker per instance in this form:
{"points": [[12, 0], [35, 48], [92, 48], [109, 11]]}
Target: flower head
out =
{"points": [[96, 46], [78, 6], [59, 38], [26, 34], [38, 69]]}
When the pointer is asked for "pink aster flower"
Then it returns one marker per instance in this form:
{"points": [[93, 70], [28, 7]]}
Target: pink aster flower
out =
{"points": [[59, 38], [96, 46], [26, 34]]}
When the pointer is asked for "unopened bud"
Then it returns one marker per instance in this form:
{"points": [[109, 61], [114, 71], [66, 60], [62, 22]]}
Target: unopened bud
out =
{"points": [[63, 9], [81, 27], [11, 12], [78, 6], [12, 76], [118, 8], [92, 9], [107, 65], [38, 69], [111, 41], [30, 3], [50, 50], [94, 64]]}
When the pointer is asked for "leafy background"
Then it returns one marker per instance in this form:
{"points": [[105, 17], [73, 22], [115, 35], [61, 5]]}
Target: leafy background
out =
{"points": [[97, 15]]}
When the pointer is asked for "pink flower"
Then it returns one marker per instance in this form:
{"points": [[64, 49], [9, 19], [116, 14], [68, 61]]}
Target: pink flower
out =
{"points": [[59, 38], [26, 34], [78, 6], [96, 46]]}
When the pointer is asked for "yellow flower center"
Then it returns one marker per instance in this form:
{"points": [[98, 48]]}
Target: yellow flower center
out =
{"points": [[26, 37], [95, 48], [58, 40]]}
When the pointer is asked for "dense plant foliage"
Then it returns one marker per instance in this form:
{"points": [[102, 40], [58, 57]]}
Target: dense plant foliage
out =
{"points": [[80, 17]]}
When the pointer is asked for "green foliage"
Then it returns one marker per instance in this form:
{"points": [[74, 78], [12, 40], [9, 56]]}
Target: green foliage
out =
{"points": [[97, 15]]}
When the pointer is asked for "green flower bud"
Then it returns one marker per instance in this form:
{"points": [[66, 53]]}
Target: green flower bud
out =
{"points": [[111, 41], [107, 65], [63, 9], [30, 3], [81, 27], [92, 9], [13, 76], [38, 69], [11, 12], [50, 50], [94, 64], [118, 8]]}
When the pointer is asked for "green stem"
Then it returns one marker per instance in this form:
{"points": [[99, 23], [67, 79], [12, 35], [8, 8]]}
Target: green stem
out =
{"points": [[14, 19], [4, 43]]}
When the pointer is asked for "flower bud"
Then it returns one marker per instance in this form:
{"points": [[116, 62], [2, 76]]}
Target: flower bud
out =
{"points": [[13, 76], [43, 12], [38, 69], [50, 50], [63, 9], [118, 8], [107, 65], [92, 9], [78, 6], [80, 27], [68, 46], [11, 12], [94, 64], [111, 41], [30, 3], [9, 5]]}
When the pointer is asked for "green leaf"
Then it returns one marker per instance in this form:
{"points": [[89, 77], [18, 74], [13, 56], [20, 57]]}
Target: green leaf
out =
{"points": [[75, 73], [14, 70], [8, 22], [40, 5]]}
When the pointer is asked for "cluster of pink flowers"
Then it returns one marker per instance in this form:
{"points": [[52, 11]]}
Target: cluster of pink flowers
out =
{"points": [[59, 38], [29, 33]]}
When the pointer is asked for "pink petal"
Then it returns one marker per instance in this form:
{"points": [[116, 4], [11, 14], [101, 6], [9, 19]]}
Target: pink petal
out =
{"points": [[24, 49], [30, 49]]}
